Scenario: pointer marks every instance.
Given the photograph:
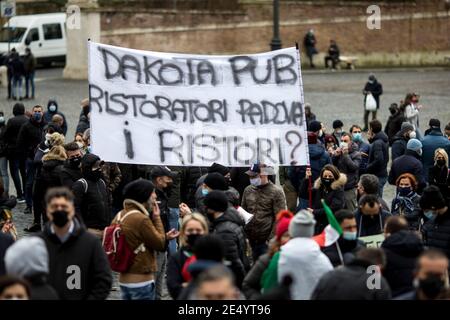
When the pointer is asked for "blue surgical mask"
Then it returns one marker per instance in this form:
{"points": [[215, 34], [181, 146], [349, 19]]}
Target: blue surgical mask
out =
{"points": [[255, 181], [347, 235], [52, 108], [429, 214], [205, 192], [37, 116], [357, 137]]}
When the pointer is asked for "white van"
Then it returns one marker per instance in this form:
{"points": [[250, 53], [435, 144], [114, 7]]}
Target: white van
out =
{"points": [[44, 34]]}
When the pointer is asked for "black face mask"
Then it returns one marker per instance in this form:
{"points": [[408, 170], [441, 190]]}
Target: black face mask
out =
{"points": [[440, 163], [60, 218], [432, 285], [327, 182], [192, 238], [74, 162]]}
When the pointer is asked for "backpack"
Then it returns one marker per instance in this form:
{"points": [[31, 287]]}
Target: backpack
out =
{"points": [[119, 253]]}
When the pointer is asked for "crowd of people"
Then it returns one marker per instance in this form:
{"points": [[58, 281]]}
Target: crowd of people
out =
{"points": [[228, 233]]}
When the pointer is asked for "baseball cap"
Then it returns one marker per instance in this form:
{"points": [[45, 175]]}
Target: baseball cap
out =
{"points": [[161, 171]]}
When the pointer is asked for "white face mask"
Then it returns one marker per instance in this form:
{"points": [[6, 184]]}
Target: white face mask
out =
{"points": [[255, 181], [320, 133], [48, 136]]}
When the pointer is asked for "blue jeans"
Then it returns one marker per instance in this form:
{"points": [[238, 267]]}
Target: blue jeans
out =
{"points": [[31, 169], [17, 165], [381, 182], [29, 80], [146, 292], [174, 215], [4, 173], [17, 86]]}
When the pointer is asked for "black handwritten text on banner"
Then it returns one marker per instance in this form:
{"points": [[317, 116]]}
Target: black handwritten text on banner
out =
{"points": [[178, 109]]}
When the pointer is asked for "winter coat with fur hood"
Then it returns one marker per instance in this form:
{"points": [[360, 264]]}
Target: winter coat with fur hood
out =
{"points": [[334, 197]]}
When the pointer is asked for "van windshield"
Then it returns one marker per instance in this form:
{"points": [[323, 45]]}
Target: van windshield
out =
{"points": [[15, 34]]}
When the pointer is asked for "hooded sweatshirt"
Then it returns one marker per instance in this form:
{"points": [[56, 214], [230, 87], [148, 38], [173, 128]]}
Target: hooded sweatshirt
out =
{"points": [[49, 114], [28, 258]]}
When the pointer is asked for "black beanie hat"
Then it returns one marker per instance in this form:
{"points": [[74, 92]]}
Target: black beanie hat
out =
{"points": [[216, 181], [217, 201], [432, 198], [337, 124], [216, 167], [138, 190]]}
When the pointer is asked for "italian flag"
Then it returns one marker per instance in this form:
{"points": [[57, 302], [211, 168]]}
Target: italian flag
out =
{"points": [[331, 232]]}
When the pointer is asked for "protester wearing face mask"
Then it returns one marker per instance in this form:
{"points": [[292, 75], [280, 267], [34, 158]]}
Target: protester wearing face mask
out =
{"points": [[144, 232], [337, 131], [402, 247], [406, 201], [363, 147], [374, 88], [71, 171], [48, 176], [347, 159], [430, 277], [264, 200], [433, 140], [436, 231], [230, 228], [330, 187], [69, 245], [264, 273], [30, 135], [316, 127], [410, 109], [409, 163], [91, 196], [3, 154], [193, 226], [344, 249], [14, 288], [52, 109], [401, 138], [439, 174], [394, 123], [370, 217]]}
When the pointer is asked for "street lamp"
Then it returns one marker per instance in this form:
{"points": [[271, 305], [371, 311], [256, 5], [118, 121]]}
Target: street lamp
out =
{"points": [[275, 44]]}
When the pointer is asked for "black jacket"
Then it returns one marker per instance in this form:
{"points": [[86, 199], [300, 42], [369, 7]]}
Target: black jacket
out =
{"points": [[81, 255], [30, 135], [436, 233], [12, 132], [376, 89], [440, 177], [334, 199], [399, 143], [5, 242], [69, 175], [188, 184], [402, 249], [350, 283], [230, 228], [394, 125], [47, 177], [83, 124], [251, 286], [164, 208], [349, 164], [408, 163], [174, 271], [92, 203], [48, 115], [348, 250], [40, 289], [370, 225], [378, 155]]}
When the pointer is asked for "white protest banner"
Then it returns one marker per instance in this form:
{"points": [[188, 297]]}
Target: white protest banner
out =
{"points": [[374, 241], [193, 110]]}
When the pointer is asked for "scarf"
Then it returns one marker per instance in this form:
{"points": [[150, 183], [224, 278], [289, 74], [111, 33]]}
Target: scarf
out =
{"points": [[404, 205]]}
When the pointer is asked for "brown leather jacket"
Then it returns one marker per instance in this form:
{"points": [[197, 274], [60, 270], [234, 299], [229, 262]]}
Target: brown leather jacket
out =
{"points": [[140, 229]]}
